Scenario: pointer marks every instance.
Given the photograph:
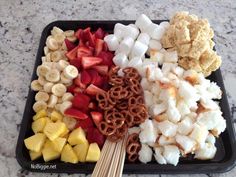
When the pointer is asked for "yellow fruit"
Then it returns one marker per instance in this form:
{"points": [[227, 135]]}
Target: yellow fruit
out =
{"points": [[68, 154], [93, 153], [54, 130], [77, 136], [40, 114], [38, 125], [81, 151], [58, 144], [55, 116], [35, 155], [48, 152], [35, 142], [65, 134], [48, 120]]}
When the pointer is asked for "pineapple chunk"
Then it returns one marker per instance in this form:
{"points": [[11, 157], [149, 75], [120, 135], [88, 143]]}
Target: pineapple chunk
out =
{"points": [[35, 142], [58, 144], [81, 151], [70, 122], [68, 154], [49, 153], [77, 136], [48, 120], [93, 153], [35, 155], [54, 130], [38, 125], [40, 114], [55, 116]]}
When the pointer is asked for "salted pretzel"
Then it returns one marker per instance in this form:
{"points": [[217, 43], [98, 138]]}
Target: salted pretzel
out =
{"points": [[106, 128], [103, 101], [133, 147], [116, 80], [131, 73], [134, 137], [122, 105], [129, 118], [118, 92]]}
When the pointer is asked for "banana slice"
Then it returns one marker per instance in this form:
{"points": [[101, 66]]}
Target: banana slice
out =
{"points": [[59, 38], [57, 107], [48, 87], [56, 56], [59, 89], [65, 80], [70, 72], [52, 43], [41, 80], [35, 85], [48, 57], [43, 59], [47, 63], [46, 50], [53, 75], [62, 64], [41, 96], [64, 106], [52, 101], [69, 84], [42, 70], [72, 38], [69, 33], [70, 122], [67, 96], [55, 30], [39, 105]]}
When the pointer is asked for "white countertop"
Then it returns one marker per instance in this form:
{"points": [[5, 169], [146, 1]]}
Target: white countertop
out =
{"points": [[21, 24]]}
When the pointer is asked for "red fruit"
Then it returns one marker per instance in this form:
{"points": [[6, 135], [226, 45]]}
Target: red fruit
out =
{"points": [[78, 33], [94, 136], [71, 88], [98, 46], [105, 47], [99, 33], [78, 90], [93, 90], [88, 62], [97, 117], [92, 106], [69, 45], [101, 69], [87, 36], [78, 82], [106, 58], [76, 62], [72, 112], [85, 77], [85, 124], [71, 55], [98, 81], [81, 101], [83, 51]]}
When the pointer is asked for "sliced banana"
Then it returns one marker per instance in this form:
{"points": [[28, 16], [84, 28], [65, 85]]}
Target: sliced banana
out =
{"points": [[39, 105], [70, 72], [55, 30], [52, 101], [62, 64], [70, 122], [48, 57], [59, 89], [35, 85], [56, 56], [41, 96], [64, 106], [48, 87], [57, 107], [69, 84], [67, 96], [42, 70], [69, 33], [72, 38], [42, 80], [53, 75], [59, 38], [65, 80], [46, 50], [52, 43], [43, 59]]}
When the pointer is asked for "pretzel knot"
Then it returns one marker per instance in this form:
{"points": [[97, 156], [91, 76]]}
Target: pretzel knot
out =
{"points": [[130, 93], [103, 101], [129, 118], [122, 105], [135, 87], [131, 73], [132, 150], [106, 128], [134, 137], [116, 80], [118, 119], [118, 92]]}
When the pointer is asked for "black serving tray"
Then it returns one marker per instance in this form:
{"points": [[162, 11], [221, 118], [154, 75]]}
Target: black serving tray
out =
{"points": [[226, 144]]}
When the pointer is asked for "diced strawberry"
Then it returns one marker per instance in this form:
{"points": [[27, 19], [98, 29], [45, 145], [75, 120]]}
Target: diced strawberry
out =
{"points": [[78, 33], [97, 117], [93, 90], [98, 81], [85, 77], [94, 136], [88, 62], [106, 58], [98, 46], [84, 52], [85, 124], [92, 106], [69, 45], [72, 112], [101, 69], [105, 47], [71, 55], [77, 81], [87, 35], [76, 62], [99, 33], [78, 90], [71, 88], [81, 101]]}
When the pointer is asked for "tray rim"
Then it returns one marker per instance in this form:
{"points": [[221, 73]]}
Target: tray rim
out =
{"points": [[128, 168]]}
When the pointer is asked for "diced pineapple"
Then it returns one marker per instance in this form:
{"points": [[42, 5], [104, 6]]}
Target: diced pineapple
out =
{"points": [[81, 151], [35, 142], [70, 122], [55, 116], [48, 120], [65, 134], [35, 155], [54, 130], [77, 136], [40, 114], [48, 152], [93, 153], [68, 154], [58, 144], [38, 125]]}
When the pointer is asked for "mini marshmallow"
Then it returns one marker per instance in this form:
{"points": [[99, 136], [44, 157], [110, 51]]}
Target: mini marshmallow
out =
{"points": [[210, 139], [120, 73], [183, 108], [220, 126], [208, 151], [126, 45], [145, 154], [135, 62], [155, 31], [163, 140], [167, 67], [154, 74], [139, 49], [143, 22], [164, 24], [208, 103], [158, 155], [154, 45], [131, 31], [121, 60], [168, 94], [185, 126], [158, 108], [199, 134], [112, 42], [157, 56], [171, 56], [119, 31], [145, 84], [173, 79], [134, 130], [155, 89], [144, 38], [171, 154], [173, 114], [214, 90], [167, 128], [209, 118], [178, 71], [148, 98], [186, 143], [148, 133]]}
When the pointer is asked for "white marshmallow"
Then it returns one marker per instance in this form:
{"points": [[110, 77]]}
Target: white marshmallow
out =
{"points": [[121, 73], [208, 151], [163, 140], [145, 84], [145, 154], [121, 60], [220, 126], [185, 126], [119, 31], [126, 45], [186, 143], [112, 42], [143, 22], [155, 45], [148, 98], [158, 155], [167, 67], [155, 89], [164, 24], [144, 38], [148, 133], [135, 62], [199, 134], [173, 113], [183, 108], [157, 56], [158, 108], [167, 128], [209, 118], [210, 139], [139, 49], [171, 154], [208, 103], [156, 31], [131, 31], [214, 90], [171, 56], [178, 71]]}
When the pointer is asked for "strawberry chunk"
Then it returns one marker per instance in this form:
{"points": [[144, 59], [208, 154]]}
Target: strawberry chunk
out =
{"points": [[76, 62], [85, 77], [92, 106], [105, 47], [71, 88], [94, 136], [93, 90], [88, 62], [87, 36], [78, 90], [97, 117], [85, 124], [69, 45], [96, 79], [101, 69], [72, 112], [106, 58], [98, 46], [71, 55], [78, 33], [81, 101], [99, 34], [78, 82], [83, 51]]}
